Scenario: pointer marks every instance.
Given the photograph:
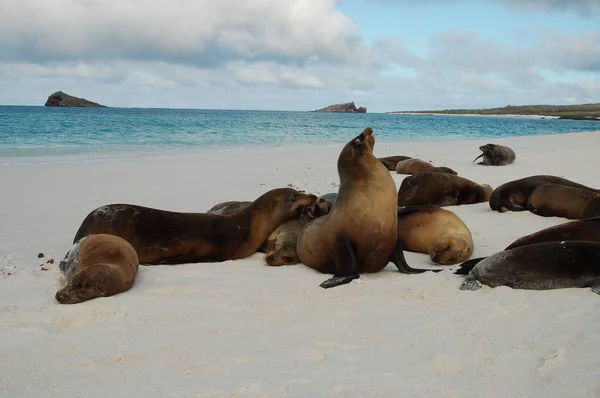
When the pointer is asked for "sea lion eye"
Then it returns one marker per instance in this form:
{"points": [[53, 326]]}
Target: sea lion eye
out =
{"points": [[357, 142]]}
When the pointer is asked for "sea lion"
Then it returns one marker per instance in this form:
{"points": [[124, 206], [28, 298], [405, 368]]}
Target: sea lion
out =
{"points": [[359, 234], [322, 206], [540, 266], [391, 161], [440, 189], [414, 166], [167, 237], [434, 231], [496, 155], [226, 208], [97, 266], [513, 195], [588, 229], [554, 200]]}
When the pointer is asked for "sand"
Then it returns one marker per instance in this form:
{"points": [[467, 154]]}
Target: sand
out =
{"points": [[242, 329]]}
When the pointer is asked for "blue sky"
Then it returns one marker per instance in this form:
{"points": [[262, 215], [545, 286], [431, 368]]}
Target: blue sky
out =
{"points": [[302, 54]]}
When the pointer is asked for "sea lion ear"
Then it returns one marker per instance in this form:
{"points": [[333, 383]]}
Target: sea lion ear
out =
{"points": [[357, 142]]}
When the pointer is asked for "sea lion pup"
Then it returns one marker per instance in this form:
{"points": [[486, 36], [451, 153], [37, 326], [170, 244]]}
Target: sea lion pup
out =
{"points": [[97, 266], [553, 200], [540, 266], [391, 161], [513, 195], [359, 234], [226, 208], [322, 206], [414, 166], [588, 229], [167, 237], [440, 189], [434, 231], [496, 155]]}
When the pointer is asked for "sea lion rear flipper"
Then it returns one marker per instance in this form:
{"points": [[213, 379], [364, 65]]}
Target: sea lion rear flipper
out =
{"points": [[468, 265], [399, 261], [346, 266]]}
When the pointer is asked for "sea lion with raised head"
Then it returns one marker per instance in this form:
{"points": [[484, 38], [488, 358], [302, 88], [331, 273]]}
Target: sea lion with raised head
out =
{"points": [[97, 266], [391, 161], [434, 231], [440, 189], [167, 237], [513, 195], [414, 166], [554, 200], [540, 266], [496, 155], [588, 229], [359, 234]]}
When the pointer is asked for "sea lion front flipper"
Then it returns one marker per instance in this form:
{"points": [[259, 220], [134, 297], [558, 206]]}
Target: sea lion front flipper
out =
{"points": [[478, 158], [468, 265], [399, 261], [346, 266], [596, 289]]}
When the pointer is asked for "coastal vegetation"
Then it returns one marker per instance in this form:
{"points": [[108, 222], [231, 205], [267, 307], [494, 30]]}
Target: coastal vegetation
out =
{"points": [[579, 112]]}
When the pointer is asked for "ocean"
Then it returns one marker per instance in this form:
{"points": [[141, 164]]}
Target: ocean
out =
{"points": [[28, 132]]}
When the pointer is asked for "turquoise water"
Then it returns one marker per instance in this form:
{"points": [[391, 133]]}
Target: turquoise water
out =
{"points": [[47, 131]]}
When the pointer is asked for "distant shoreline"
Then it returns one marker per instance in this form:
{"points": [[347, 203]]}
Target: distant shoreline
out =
{"points": [[475, 114]]}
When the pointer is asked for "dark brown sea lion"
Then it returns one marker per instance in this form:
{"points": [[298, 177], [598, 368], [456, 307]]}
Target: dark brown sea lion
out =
{"points": [[167, 237], [513, 195], [553, 200], [415, 166], [391, 161], [226, 208], [359, 235], [540, 266], [434, 231], [97, 266], [439, 189], [588, 230], [496, 155]]}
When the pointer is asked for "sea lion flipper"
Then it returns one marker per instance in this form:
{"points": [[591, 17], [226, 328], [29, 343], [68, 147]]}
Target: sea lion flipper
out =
{"points": [[399, 261], [346, 266], [468, 265], [596, 289], [470, 283], [478, 158]]}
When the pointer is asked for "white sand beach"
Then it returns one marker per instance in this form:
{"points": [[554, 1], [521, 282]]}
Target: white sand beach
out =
{"points": [[242, 329]]}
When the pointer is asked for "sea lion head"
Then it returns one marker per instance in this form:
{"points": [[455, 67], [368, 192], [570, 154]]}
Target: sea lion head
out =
{"points": [[450, 249], [286, 201], [446, 170], [357, 148], [284, 256], [321, 207], [487, 192]]}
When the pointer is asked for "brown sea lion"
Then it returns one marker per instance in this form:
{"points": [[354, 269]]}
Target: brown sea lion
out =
{"points": [[540, 266], [496, 155], [588, 229], [553, 200], [322, 206], [391, 161], [434, 231], [415, 166], [359, 235], [97, 266], [513, 195], [440, 189], [226, 208], [167, 237]]}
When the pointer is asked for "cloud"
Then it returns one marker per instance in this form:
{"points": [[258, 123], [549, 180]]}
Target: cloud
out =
{"points": [[204, 33]]}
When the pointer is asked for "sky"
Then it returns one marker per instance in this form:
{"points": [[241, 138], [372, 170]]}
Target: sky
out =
{"points": [[386, 55]]}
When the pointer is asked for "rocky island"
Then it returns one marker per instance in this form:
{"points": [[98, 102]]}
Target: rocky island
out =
{"points": [[61, 99], [348, 107]]}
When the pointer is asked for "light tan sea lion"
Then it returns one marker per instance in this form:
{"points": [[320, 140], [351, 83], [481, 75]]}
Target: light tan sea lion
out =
{"points": [[390, 162], [97, 266], [166, 237], [415, 166], [553, 200], [434, 231], [359, 235], [440, 189], [513, 195], [496, 155]]}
